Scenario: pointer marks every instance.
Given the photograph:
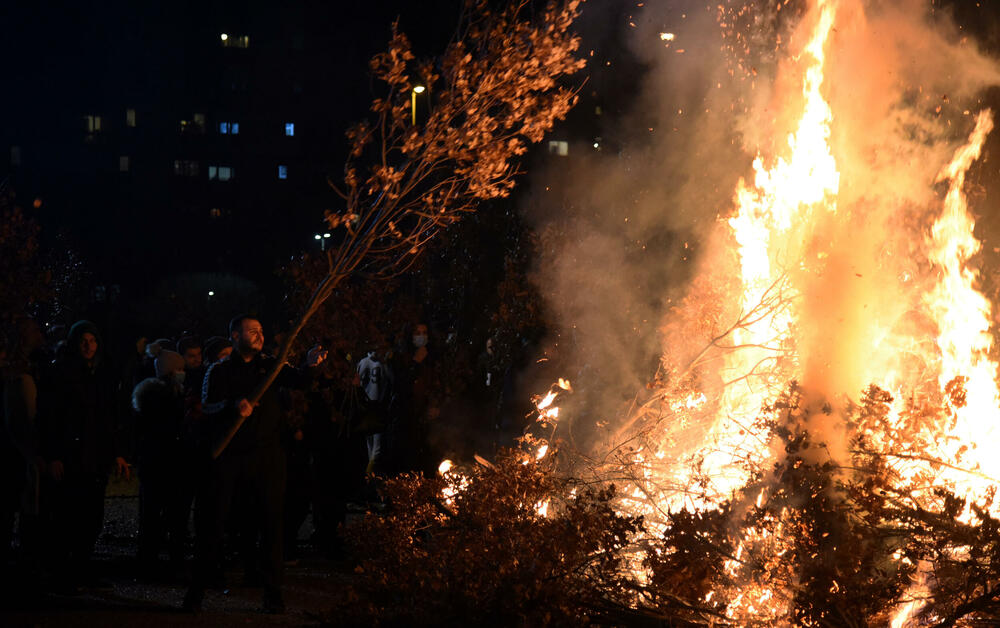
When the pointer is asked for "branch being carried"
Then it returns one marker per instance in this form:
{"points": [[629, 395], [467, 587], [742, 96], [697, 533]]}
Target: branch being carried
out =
{"points": [[495, 90]]}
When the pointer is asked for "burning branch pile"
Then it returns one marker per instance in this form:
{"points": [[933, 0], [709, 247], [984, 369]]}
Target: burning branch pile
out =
{"points": [[753, 484], [502, 543], [809, 541], [806, 541]]}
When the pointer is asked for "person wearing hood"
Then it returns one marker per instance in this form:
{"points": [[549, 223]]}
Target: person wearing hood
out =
{"points": [[163, 456], [81, 442]]}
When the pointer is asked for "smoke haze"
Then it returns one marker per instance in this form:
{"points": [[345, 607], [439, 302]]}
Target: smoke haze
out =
{"points": [[627, 229]]}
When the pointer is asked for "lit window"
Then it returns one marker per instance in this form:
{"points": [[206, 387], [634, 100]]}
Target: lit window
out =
{"points": [[234, 128], [234, 41], [15, 155], [224, 128], [186, 168], [282, 172], [213, 173], [221, 173], [215, 212], [123, 163], [93, 123], [290, 129], [229, 128], [195, 125], [558, 147], [130, 117]]}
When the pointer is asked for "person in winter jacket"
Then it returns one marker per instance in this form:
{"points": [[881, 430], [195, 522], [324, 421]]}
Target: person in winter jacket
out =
{"points": [[163, 462], [254, 459], [417, 402], [81, 442]]}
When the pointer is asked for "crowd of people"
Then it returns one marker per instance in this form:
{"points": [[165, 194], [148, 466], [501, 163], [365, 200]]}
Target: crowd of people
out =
{"points": [[188, 417]]}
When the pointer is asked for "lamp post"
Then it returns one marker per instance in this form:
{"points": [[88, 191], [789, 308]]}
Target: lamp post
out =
{"points": [[417, 89], [322, 240]]}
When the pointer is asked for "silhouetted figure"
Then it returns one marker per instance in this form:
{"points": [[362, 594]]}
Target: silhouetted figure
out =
{"points": [[164, 462], [81, 442], [253, 461], [416, 405], [376, 382], [19, 441]]}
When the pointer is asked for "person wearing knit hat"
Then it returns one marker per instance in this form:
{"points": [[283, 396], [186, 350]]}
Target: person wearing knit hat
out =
{"points": [[146, 367], [153, 349], [168, 363], [81, 441], [163, 509]]}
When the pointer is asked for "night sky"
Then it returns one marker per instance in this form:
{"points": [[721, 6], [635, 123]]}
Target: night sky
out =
{"points": [[306, 62]]}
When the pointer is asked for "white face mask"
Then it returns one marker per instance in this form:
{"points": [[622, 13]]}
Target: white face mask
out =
{"points": [[420, 341], [178, 377]]}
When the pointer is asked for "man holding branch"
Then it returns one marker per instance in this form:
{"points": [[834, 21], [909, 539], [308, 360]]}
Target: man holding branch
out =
{"points": [[247, 454]]}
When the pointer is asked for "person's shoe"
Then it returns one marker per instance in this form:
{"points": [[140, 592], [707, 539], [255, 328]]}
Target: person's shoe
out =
{"points": [[274, 603], [193, 599]]}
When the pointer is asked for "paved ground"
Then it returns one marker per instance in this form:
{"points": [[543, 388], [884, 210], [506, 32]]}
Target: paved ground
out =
{"points": [[125, 600], [128, 602]]}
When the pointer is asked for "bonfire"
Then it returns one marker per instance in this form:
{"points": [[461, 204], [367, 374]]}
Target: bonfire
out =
{"points": [[819, 444]]}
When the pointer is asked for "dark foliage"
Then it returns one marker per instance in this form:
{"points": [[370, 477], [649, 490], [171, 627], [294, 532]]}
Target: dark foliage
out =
{"points": [[484, 554], [24, 281]]}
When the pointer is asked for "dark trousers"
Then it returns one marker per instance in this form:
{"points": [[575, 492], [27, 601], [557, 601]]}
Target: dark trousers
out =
{"points": [[298, 493], [338, 478], [164, 510], [260, 472], [73, 516]]}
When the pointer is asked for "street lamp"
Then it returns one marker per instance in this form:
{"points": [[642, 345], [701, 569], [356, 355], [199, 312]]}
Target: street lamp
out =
{"points": [[322, 240], [417, 89]]}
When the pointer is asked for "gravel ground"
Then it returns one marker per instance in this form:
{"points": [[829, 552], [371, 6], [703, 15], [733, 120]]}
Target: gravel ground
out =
{"points": [[125, 600]]}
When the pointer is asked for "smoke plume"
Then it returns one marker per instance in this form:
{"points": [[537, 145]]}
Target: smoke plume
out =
{"points": [[636, 232]]}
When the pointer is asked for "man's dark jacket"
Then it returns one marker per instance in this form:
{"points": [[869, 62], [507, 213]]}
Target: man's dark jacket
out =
{"points": [[79, 416], [233, 379]]}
